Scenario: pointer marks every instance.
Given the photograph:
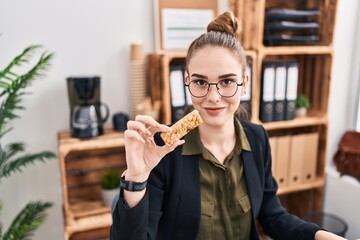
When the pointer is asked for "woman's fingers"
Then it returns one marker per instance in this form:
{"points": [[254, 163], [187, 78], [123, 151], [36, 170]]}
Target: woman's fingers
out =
{"points": [[133, 135], [151, 124], [138, 126]]}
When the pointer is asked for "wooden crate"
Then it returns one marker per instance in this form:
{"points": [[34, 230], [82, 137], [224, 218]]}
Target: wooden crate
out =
{"points": [[251, 14], [310, 190], [82, 162], [314, 82], [247, 12]]}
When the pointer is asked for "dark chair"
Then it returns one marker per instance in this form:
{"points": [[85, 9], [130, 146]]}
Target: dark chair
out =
{"points": [[114, 202], [330, 222]]}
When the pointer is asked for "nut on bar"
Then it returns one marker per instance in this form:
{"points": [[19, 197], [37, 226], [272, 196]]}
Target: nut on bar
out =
{"points": [[182, 127]]}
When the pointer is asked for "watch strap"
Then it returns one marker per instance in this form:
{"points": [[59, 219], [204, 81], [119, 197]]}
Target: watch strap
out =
{"points": [[132, 186]]}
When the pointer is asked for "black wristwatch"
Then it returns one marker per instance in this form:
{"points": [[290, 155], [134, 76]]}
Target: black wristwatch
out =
{"points": [[131, 186]]}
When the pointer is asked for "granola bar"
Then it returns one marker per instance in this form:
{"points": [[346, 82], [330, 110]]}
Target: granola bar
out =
{"points": [[182, 127]]}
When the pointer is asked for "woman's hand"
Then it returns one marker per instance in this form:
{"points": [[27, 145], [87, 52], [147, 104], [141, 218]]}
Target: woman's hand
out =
{"points": [[142, 154], [324, 235]]}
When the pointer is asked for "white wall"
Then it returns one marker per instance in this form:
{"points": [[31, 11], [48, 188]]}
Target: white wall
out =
{"points": [[88, 37], [343, 194], [93, 37]]}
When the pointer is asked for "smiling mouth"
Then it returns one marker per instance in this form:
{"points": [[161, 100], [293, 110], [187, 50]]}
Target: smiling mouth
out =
{"points": [[214, 111]]}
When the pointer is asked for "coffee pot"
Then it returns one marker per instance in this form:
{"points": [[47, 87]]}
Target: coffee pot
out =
{"points": [[86, 118]]}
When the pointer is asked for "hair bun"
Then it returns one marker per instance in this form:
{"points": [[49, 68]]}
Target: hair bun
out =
{"points": [[226, 22]]}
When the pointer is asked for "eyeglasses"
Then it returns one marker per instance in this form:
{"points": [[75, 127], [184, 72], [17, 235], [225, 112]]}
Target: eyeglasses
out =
{"points": [[226, 88]]}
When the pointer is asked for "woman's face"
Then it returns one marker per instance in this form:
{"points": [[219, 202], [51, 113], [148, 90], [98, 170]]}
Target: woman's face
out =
{"points": [[214, 64]]}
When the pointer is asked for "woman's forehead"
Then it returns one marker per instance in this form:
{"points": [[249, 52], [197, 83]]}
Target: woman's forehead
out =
{"points": [[214, 60]]}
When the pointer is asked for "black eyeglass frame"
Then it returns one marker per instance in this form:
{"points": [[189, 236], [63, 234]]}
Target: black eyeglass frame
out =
{"points": [[217, 88]]}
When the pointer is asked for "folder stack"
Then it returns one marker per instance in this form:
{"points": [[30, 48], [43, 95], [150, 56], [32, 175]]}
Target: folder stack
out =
{"points": [[278, 90], [294, 158], [291, 27]]}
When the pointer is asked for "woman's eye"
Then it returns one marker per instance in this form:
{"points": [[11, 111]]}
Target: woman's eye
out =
{"points": [[200, 82], [227, 82]]}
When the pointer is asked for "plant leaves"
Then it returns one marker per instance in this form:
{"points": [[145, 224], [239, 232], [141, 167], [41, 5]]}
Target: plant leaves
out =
{"points": [[27, 221], [13, 84], [10, 166]]}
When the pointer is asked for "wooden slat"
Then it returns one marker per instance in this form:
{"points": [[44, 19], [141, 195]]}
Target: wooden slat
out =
{"points": [[301, 82], [317, 81], [90, 177], [108, 140], [89, 192], [313, 119], [96, 234], [323, 129], [95, 162], [89, 223], [83, 208], [154, 76], [296, 50], [326, 83]]}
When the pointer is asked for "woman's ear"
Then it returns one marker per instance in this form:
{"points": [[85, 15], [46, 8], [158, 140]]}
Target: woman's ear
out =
{"points": [[245, 84], [187, 79]]}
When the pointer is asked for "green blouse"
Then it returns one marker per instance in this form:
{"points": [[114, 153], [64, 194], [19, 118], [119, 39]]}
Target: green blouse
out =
{"points": [[225, 205]]}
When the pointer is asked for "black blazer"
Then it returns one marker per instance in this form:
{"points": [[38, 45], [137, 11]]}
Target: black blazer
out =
{"points": [[171, 207]]}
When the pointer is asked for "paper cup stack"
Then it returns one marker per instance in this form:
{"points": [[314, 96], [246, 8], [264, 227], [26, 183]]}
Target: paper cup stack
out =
{"points": [[137, 77]]}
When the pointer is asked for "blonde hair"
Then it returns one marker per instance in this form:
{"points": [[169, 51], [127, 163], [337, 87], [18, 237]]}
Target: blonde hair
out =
{"points": [[223, 31]]}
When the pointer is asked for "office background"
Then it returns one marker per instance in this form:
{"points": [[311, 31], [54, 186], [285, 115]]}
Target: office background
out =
{"points": [[94, 37]]}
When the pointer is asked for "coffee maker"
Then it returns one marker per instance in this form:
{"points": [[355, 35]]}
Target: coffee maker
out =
{"points": [[86, 120]]}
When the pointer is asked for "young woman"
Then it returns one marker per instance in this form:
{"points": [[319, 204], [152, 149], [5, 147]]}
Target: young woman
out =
{"points": [[216, 182]]}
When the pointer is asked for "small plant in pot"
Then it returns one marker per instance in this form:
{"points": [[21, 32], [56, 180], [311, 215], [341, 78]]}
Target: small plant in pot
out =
{"points": [[302, 104], [110, 183]]}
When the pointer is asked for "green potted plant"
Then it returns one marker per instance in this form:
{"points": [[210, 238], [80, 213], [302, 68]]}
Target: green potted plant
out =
{"points": [[110, 184], [14, 79], [302, 103]]}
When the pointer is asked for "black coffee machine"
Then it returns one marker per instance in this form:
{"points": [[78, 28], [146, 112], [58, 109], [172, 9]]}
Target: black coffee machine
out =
{"points": [[85, 107]]}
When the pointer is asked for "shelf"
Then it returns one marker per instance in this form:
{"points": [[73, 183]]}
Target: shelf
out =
{"points": [[82, 209], [88, 215], [312, 120], [82, 162], [296, 50], [318, 183], [89, 223], [109, 139]]}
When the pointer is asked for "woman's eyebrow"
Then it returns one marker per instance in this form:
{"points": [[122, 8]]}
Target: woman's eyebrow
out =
{"points": [[227, 75], [220, 77], [199, 75]]}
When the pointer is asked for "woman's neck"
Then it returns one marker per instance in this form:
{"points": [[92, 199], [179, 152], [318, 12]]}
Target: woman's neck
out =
{"points": [[220, 140], [215, 134]]}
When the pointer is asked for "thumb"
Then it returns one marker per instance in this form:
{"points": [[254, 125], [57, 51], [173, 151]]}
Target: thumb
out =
{"points": [[166, 149]]}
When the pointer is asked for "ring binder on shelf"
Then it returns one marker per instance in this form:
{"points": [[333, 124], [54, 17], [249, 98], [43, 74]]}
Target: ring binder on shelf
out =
{"points": [[267, 92], [177, 91], [280, 90], [291, 89]]}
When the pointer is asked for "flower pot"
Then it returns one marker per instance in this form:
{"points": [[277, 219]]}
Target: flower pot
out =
{"points": [[300, 112], [108, 195]]}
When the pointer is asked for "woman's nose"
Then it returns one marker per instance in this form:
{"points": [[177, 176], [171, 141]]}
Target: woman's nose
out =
{"points": [[213, 94]]}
